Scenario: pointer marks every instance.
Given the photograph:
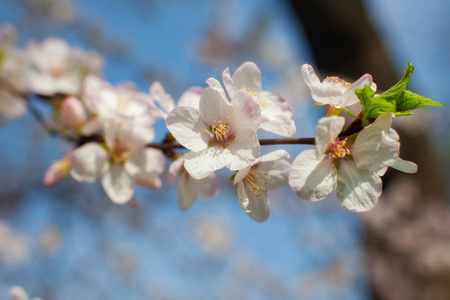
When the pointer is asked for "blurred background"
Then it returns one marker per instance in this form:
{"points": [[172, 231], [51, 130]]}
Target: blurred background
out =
{"points": [[71, 242]]}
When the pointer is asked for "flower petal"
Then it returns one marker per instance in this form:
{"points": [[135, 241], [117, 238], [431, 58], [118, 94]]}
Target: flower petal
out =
{"points": [[214, 104], [175, 169], [229, 83], [243, 151], [276, 113], [255, 205], [374, 148], [309, 76], [185, 125], [145, 163], [246, 113], [357, 190], [186, 193], [191, 97], [135, 137], [202, 164], [327, 130], [276, 167], [404, 166], [349, 97], [88, 162], [208, 187], [248, 77], [311, 178], [11, 106], [118, 185]]}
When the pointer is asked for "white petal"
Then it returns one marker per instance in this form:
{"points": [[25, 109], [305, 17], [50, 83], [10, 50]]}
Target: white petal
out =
{"points": [[145, 163], [229, 83], [257, 203], [110, 132], [191, 97], [91, 127], [242, 173], [276, 167], [373, 148], [311, 178], [215, 84], [11, 106], [349, 97], [175, 168], [357, 190], [202, 164], [276, 113], [88, 162], [118, 185], [327, 130], [324, 92], [188, 129], [309, 76], [135, 137], [248, 77], [186, 194], [151, 182], [214, 104], [404, 166], [243, 151], [208, 187], [158, 95], [246, 112]]}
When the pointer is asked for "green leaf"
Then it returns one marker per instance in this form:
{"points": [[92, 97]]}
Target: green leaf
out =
{"points": [[409, 101], [394, 92], [396, 100], [232, 177], [372, 106]]}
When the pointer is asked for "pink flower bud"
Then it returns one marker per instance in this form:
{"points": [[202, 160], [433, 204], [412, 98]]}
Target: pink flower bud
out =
{"points": [[57, 171], [73, 113]]}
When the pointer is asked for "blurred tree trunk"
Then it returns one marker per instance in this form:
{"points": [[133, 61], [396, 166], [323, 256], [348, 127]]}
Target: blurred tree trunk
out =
{"points": [[407, 235]]}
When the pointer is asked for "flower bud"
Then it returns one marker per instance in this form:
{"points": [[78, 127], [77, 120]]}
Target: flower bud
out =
{"points": [[57, 171], [73, 113]]}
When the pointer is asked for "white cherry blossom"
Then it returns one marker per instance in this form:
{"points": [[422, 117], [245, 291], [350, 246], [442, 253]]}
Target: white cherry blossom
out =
{"points": [[118, 104], [189, 189], [124, 162], [219, 134], [276, 112], [13, 84], [269, 172], [57, 68], [353, 169], [333, 90]]}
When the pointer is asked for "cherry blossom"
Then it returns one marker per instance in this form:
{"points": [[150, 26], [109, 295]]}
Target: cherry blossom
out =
{"points": [[333, 90], [269, 172], [275, 111], [124, 163], [122, 103], [12, 79], [189, 189], [219, 134], [353, 168], [56, 68]]}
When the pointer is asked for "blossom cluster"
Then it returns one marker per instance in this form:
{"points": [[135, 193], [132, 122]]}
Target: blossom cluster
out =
{"points": [[112, 130]]}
